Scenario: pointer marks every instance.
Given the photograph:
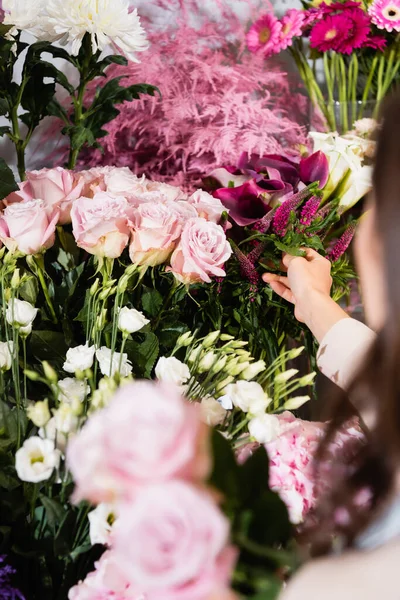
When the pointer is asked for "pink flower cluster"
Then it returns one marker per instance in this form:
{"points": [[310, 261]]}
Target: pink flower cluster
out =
{"points": [[170, 541], [111, 209], [339, 26], [292, 465]]}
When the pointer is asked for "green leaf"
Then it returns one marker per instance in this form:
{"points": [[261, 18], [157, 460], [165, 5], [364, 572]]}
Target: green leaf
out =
{"points": [[152, 302], [7, 180], [29, 289], [254, 475], [64, 539], [55, 512], [54, 109], [144, 355], [48, 345], [4, 130], [292, 250], [80, 136], [225, 475], [3, 106], [269, 523]]}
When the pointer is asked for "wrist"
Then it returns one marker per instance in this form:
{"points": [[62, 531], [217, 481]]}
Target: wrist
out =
{"points": [[321, 313]]}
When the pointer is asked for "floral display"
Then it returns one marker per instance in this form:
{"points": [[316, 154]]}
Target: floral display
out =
{"points": [[357, 44]]}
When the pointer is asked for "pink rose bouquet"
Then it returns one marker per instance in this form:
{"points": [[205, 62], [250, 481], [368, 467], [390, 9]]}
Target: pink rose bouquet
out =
{"points": [[26, 227]]}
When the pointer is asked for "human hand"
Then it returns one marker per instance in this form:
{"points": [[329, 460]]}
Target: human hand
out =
{"points": [[307, 280]]}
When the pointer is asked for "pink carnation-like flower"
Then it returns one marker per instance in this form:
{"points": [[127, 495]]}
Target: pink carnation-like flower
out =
{"points": [[100, 224], [146, 435], [292, 26], [156, 229], [264, 36], [385, 14], [172, 542], [202, 252], [27, 227]]}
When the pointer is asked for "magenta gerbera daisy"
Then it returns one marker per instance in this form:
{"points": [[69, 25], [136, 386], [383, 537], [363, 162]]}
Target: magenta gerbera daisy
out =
{"points": [[292, 26], [385, 14], [330, 32], [376, 42], [264, 35]]}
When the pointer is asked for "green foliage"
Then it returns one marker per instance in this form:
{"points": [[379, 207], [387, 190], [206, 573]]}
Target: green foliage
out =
{"points": [[7, 180]]}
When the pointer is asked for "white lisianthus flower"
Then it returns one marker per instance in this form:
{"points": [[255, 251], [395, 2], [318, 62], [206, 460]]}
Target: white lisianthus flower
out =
{"points": [[39, 413], [110, 362], [79, 358], [72, 389], [49, 432], [226, 402], [212, 412], [245, 394], [36, 460], [25, 331], [20, 313], [131, 320], [172, 370], [6, 352], [264, 428], [101, 520], [109, 23]]}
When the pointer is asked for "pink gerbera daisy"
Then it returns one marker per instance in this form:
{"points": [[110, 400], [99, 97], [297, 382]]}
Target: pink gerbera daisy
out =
{"points": [[376, 42], [385, 14], [264, 35], [328, 33], [292, 26], [312, 15]]}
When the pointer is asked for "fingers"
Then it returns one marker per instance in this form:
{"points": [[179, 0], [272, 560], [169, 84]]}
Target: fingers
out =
{"points": [[311, 255], [272, 277], [282, 291]]}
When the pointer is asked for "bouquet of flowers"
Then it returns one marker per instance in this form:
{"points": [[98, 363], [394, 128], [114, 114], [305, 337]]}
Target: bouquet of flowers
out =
{"points": [[357, 43]]}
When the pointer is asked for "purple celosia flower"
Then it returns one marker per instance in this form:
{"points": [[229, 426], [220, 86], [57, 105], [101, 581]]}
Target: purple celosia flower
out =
{"points": [[7, 590], [282, 215], [342, 244], [309, 211]]}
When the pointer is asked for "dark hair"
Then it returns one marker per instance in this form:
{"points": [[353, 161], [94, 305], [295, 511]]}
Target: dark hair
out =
{"points": [[376, 388]]}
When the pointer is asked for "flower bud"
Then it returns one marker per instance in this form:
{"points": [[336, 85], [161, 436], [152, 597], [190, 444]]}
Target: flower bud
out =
{"points": [[307, 379], [6, 352], [39, 413], [239, 344], [184, 340], [225, 337], [123, 284], [295, 353], [222, 385], [49, 372], [220, 364], [207, 362], [237, 369], [210, 339], [253, 370], [195, 354], [32, 375], [15, 280], [285, 376], [295, 403], [246, 357], [105, 294], [95, 287]]}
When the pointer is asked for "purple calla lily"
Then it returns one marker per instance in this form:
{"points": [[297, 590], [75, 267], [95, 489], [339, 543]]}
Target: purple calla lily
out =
{"points": [[315, 168], [246, 203]]}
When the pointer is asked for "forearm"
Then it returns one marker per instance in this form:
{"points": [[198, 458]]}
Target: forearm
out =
{"points": [[321, 313]]}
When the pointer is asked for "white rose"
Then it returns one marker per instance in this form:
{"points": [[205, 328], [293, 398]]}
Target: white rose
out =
{"points": [[65, 419], [6, 352], [131, 320], [212, 412], [245, 394], [49, 432], [72, 389], [36, 460], [172, 370], [101, 521], [79, 358], [20, 313], [39, 413], [264, 428], [110, 368]]}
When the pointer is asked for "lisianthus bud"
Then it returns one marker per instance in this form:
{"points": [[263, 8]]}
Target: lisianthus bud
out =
{"points": [[253, 370], [207, 362], [286, 375], [237, 369], [94, 287], [307, 379], [225, 337], [184, 340], [220, 364], [15, 280], [295, 353], [195, 354], [222, 385], [6, 352], [39, 413], [210, 339], [49, 372], [295, 403]]}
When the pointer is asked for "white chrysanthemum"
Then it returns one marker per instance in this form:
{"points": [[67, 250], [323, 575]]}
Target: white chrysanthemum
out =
{"points": [[24, 14], [108, 22]]}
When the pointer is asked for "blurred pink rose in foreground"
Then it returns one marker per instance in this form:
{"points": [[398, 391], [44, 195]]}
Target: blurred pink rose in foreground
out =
{"points": [[100, 224], [292, 466], [156, 229], [147, 434], [173, 543], [58, 188], [201, 253], [26, 226]]}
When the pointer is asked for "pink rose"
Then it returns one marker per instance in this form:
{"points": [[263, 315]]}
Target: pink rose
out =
{"points": [[172, 543], [202, 251], [26, 226], [157, 227], [100, 225], [147, 434], [166, 191], [58, 188], [24, 194], [93, 180], [122, 182], [207, 206]]}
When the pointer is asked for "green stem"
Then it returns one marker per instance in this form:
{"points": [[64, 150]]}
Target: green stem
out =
{"points": [[19, 143], [25, 378], [46, 293]]}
